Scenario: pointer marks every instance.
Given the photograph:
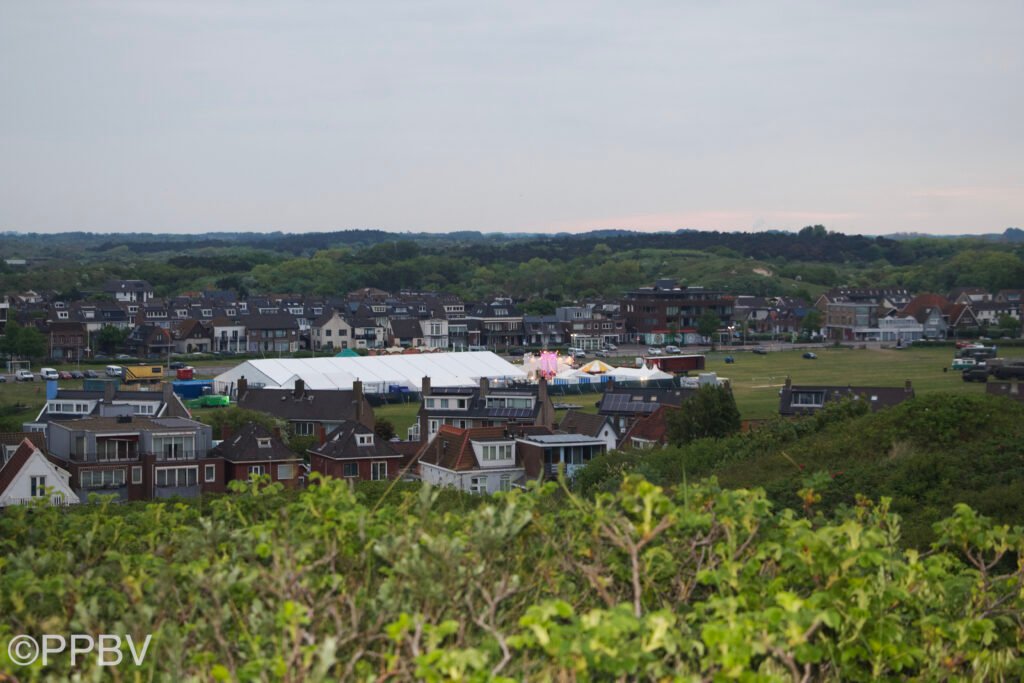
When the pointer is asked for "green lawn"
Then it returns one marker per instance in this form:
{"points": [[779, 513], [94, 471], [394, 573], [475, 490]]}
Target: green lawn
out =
{"points": [[756, 380]]}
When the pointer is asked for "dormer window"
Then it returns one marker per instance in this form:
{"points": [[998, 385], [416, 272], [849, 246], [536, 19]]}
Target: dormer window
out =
{"points": [[263, 441], [230, 312], [364, 439], [207, 313], [62, 315]]}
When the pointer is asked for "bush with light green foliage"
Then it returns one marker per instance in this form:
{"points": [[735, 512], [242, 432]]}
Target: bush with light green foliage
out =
{"points": [[695, 584]]}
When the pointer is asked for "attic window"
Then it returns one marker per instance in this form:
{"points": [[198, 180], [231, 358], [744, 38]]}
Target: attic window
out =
{"points": [[364, 439], [263, 441]]}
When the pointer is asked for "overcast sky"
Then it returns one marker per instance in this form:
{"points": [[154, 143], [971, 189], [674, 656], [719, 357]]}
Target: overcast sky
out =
{"points": [[185, 116]]}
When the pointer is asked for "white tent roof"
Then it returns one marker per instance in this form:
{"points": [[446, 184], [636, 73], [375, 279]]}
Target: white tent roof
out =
{"points": [[376, 372]]}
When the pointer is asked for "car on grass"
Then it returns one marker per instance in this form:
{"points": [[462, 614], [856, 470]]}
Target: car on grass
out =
{"points": [[77, 374], [760, 350], [654, 351], [975, 374], [3, 378], [91, 374], [810, 355], [48, 373], [24, 376], [64, 374]]}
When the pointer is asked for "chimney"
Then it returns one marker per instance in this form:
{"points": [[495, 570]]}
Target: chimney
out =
{"points": [[277, 432], [908, 387], [425, 386], [300, 387], [485, 386], [321, 434], [243, 386], [357, 399], [542, 390], [226, 432], [108, 391], [424, 391], [168, 392], [789, 382]]}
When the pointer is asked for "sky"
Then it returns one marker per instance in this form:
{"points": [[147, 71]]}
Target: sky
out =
{"points": [[196, 115]]}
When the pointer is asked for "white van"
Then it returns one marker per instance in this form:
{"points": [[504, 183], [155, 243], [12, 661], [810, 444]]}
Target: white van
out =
{"points": [[113, 371], [48, 373]]}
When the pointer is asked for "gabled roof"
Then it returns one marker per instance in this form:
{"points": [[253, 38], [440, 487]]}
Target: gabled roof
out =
{"points": [[406, 328], [38, 439], [271, 321], [343, 444], [576, 422], [653, 427], [877, 397], [317, 405], [245, 446], [452, 448]]}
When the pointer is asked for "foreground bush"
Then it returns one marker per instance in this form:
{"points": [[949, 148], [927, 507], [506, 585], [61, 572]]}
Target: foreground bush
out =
{"points": [[543, 585]]}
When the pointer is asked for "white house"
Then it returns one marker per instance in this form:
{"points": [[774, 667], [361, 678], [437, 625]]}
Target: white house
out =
{"points": [[27, 475], [481, 460]]}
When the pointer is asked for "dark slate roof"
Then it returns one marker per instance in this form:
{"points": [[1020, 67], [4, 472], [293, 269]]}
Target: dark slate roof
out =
{"points": [[406, 328], [113, 424], [587, 424], [323, 405], [38, 439], [270, 321], [477, 406], [642, 401], [878, 397], [341, 444], [244, 447]]}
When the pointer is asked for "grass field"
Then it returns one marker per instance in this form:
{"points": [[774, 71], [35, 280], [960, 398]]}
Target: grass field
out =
{"points": [[755, 379]]}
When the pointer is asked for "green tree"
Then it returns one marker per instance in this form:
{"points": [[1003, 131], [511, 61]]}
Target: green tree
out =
{"points": [[110, 338], [384, 429], [708, 324], [24, 342], [811, 324], [234, 418], [710, 413]]}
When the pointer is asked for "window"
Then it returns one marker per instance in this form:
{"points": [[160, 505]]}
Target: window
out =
{"points": [[256, 471], [807, 398], [285, 472], [430, 403], [136, 474], [378, 471], [210, 473], [432, 426], [177, 476], [303, 429], [444, 403], [505, 484], [494, 452], [461, 403], [263, 442], [38, 485], [478, 484], [177, 447], [350, 469], [115, 449], [95, 479]]}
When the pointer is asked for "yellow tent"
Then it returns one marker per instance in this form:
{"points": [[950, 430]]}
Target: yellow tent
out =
{"points": [[596, 367]]}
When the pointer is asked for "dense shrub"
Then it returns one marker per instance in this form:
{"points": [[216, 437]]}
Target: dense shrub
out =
{"points": [[639, 583]]}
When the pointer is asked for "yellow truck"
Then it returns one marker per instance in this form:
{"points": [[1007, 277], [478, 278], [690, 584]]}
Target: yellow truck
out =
{"points": [[143, 373]]}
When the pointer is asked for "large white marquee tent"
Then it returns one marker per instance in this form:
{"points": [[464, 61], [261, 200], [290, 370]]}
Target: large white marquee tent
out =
{"points": [[377, 373]]}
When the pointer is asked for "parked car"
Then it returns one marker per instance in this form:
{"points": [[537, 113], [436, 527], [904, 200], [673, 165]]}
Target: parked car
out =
{"points": [[672, 349], [1009, 371], [654, 351], [963, 363], [65, 374], [602, 354], [25, 376], [730, 360], [611, 347], [810, 355], [760, 350], [48, 373], [3, 378], [976, 374], [91, 374], [77, 374], [176, 365]]}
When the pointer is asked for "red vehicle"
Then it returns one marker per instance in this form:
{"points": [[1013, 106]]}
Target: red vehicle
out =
{"points": [[186, 373]]}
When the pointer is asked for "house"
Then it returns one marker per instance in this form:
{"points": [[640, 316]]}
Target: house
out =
{"points": [[435, 333], [307, 412], [542, 455], [5, 309], [969, 295], [353, 451], [137, 458], [367, 333], [649, 431], [9, 442], [149, 340], [852, 313], [626, 405], [666, 312], [483, 406], [939, 317], [477, 460], [129, 290], [66, 341], [545, 331], [27, 475], [595, 426], [406, 332], [74, 404], [330, 331], [257, 451], [228, 334], [272, 333], [500, 323], [191, 336], [590, 326], [809, 399]]}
